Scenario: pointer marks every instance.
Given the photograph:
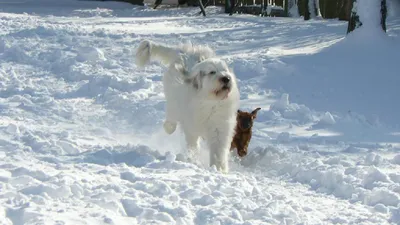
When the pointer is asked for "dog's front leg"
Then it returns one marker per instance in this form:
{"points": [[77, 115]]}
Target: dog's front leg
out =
{"points": [[242, 149], [170, 122], [218, 140], [169, 126], [192, 143]]}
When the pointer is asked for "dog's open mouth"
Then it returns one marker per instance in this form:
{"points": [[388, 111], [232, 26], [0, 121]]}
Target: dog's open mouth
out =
{"points": [[224, 91]]}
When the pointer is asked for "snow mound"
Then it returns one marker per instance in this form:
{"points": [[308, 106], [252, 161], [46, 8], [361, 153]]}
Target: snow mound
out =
{"points": [[327, 118], [396, 159], [346, 180], [90, 54], [292, 110]]}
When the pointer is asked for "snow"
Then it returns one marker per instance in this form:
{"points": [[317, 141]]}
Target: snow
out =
{"points": [[81, 137], [294, 10], [369, 13]]}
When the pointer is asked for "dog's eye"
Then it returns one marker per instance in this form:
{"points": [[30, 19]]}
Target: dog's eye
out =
{"points": [[212, 72]]}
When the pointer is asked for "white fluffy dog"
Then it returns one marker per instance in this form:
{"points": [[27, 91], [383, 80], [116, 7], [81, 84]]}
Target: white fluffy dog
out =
{"points": [[201, 95]]}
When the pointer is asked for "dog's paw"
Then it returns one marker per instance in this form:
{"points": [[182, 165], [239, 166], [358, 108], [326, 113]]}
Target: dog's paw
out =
{"points": [[224, 169], [169, 127], [143, 53]]}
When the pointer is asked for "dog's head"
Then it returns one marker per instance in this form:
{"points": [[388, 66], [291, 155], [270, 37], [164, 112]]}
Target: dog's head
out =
{"points": [[245, 119], [213, 78]]}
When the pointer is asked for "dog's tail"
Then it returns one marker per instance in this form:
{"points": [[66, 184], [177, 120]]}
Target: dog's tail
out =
{"points": [[148, 51]]}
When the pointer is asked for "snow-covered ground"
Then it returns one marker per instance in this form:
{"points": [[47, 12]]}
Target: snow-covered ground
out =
{"points": [[81, 140]]}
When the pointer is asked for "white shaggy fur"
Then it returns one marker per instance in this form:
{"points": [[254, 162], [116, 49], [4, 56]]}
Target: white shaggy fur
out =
{"points": [[201, 95]]}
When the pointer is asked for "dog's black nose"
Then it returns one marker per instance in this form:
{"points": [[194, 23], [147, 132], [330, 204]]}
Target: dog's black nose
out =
{"points": [[225, 79]]}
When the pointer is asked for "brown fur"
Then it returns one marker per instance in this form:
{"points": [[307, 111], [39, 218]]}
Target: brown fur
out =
{"points": [[243, 131]]}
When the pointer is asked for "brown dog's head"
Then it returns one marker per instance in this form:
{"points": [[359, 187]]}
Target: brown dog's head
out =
{"points": [[245, 119]]}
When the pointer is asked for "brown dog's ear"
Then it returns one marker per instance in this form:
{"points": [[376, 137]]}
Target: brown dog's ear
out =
{"points": [[239, 111], [254, 113]]}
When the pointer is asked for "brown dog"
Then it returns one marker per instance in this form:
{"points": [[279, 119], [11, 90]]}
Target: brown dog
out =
{"points": [[244, 124]]}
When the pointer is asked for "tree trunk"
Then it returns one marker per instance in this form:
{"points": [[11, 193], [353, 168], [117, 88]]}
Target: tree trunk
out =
{"points": [[286, 5], [229, 7], [330, 7], [322, 8], [354, 21], [344, 10], [265, 5], [383, 14], [300, 7], [314, 8], [203, 11], [306, 9], [339, 7], [348, 5], [310, 9]]}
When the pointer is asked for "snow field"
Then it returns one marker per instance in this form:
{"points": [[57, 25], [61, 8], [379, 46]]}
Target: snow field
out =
{"points": [[80, 126]]}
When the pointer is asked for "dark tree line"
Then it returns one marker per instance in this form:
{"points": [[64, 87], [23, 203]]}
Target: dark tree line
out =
{"points": [[341, 9], [327, 9]]}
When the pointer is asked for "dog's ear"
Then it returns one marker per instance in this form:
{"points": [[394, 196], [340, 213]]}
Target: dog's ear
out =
{"points": [[239, 111], [196, 83], [195, 80], [254, 113], [194, 77]]}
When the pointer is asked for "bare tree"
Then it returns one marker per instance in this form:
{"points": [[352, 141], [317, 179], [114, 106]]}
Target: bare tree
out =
{"points": [[339, 6], [200, 3], [264, 7], [330, 9], [286, 7], [354, 21], [230, 6], [314, 8], [383, 14], [306, 9], [344, 9]]}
